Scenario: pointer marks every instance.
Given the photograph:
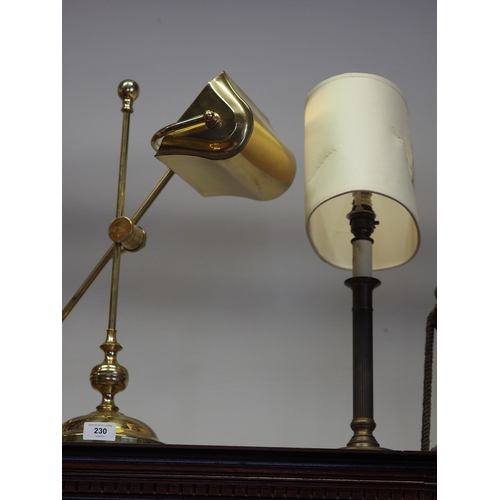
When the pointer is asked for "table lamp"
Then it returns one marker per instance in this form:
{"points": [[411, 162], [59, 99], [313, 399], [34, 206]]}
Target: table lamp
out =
{"points": [[222, 145], [360, 205]]}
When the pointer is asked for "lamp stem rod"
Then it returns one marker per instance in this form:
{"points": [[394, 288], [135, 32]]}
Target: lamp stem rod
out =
{"points": [[120, 204], [362, 257], [109, 253], [122, 176]]}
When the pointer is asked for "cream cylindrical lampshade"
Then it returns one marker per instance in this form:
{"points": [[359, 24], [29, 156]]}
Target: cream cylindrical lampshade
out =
{"points": [[357, 139]]}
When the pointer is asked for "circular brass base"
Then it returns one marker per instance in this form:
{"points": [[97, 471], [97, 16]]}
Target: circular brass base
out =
{"points": [[128, 430], [363, 438]]}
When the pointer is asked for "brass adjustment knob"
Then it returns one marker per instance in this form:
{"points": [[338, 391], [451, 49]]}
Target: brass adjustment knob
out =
{"points": [[122, 230]]}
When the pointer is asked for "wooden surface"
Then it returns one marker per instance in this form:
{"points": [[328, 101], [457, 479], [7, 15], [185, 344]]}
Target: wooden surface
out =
{"points": [[124, 471]]}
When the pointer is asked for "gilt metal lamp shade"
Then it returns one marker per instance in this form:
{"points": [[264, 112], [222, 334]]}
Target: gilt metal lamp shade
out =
{"points": [[357, 139], [239, 156]]}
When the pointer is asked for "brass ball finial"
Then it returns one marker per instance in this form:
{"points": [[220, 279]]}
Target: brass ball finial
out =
{"points": [[128, 91]]}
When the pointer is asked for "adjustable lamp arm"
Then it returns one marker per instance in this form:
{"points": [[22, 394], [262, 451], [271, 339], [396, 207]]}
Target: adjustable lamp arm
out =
{"points": [[208, 119], [107, 256]]}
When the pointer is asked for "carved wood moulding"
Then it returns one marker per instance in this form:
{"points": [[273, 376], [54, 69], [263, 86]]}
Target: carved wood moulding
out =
{"points": [[103, 471]]}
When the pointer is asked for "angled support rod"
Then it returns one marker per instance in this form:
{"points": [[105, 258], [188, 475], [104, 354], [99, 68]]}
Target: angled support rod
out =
{"points": [[109, 254]]}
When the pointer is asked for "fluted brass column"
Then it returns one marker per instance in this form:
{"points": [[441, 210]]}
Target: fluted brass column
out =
{"points": [[362, 339], [362, 222]]}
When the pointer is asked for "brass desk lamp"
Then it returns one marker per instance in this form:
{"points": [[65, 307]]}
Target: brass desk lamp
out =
{"points": [[221, 145]]}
